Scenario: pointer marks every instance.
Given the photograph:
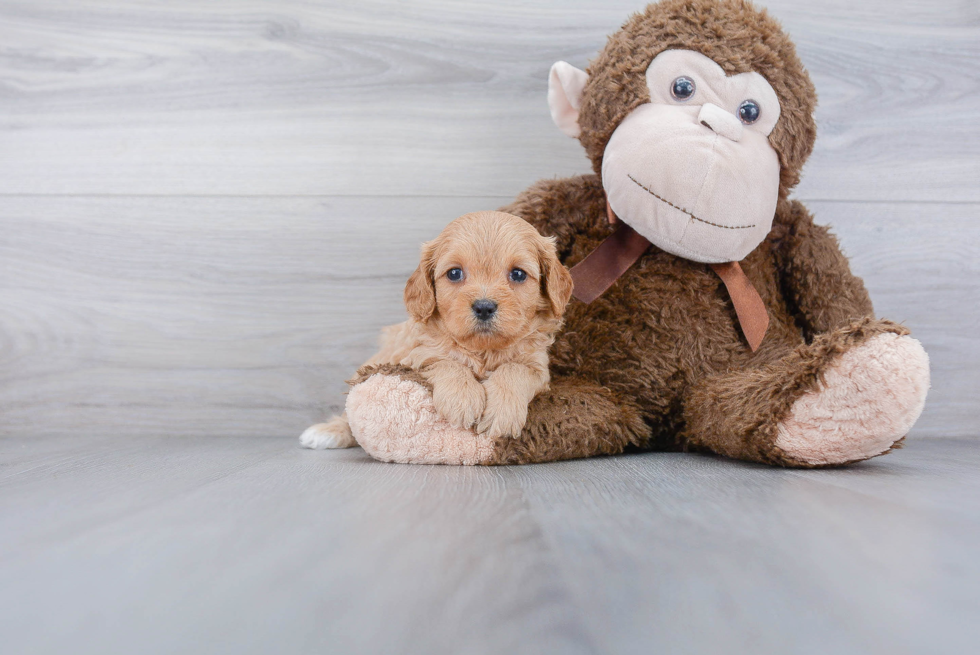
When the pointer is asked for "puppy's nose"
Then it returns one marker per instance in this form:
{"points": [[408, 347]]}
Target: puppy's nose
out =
{"points": [[484, 309]]}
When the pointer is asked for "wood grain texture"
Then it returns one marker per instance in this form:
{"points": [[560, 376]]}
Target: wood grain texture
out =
{"points": [[230, 545], [432, 98], [243, 316]]}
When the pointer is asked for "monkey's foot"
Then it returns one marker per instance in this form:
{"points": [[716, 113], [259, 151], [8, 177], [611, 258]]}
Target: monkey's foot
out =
{"points": [[394, 420], [868, 399]]}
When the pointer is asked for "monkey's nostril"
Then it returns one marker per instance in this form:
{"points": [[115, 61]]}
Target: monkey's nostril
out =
{"points": [[720, 121], [484, 309]]}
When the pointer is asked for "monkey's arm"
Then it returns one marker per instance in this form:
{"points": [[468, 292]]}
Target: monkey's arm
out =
{"points": [[564, 209], [816, 275]]}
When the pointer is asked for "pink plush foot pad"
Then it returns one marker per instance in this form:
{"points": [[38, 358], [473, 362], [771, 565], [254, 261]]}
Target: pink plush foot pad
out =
{"points": [[869, 399], [393, 420]]}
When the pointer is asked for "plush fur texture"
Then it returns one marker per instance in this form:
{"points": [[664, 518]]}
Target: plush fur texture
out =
{"points": [[736, 35], [396, 421], [391, 407], [860, 408], [658, 361], [690, 175]]}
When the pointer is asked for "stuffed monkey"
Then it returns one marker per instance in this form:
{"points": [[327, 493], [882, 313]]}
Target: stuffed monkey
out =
{"points": [[714, 314]]}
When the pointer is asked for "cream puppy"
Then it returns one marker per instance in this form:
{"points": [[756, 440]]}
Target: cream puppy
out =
{"points": [[484, 304]]}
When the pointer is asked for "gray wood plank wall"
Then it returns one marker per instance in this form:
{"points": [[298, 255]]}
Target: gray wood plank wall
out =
{"points": [[207, 210]]}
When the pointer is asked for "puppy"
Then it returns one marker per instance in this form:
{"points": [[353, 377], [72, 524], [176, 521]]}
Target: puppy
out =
{"points": [[484, 304]]}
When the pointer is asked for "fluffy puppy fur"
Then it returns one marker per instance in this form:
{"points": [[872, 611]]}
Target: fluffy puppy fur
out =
{"points": [[484, 304]]}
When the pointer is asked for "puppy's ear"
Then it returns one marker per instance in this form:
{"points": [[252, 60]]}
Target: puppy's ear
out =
{"points": [[420, 292], [556, 281]]}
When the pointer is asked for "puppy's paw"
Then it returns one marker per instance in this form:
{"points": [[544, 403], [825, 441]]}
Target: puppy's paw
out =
{"points": [[461, 402], [335, 433], [505, 414]]}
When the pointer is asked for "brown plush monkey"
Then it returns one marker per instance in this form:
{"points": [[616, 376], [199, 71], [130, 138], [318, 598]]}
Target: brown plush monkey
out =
{"points": [[697, 117]]}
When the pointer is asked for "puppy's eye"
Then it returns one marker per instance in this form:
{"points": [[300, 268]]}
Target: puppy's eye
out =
{"points": [[517, 275], [454, 274], [682, 88]]}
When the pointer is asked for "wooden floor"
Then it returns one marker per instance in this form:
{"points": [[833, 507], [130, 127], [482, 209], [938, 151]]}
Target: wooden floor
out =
{"points": [[252, 545]]}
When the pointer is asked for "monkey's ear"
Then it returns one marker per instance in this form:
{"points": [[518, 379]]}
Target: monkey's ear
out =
{"points": [[420, 292], [565, 86]]}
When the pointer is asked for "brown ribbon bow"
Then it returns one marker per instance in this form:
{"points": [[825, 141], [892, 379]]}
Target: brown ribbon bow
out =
{"points": [[604, 265]]}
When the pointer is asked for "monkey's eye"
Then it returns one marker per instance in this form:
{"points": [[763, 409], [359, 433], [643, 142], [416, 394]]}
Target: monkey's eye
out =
{"points": [[749, 112], [682, 88], [454, 274], [517, 275]]}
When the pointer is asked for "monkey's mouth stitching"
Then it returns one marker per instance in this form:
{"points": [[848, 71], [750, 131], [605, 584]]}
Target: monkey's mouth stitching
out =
{"points": [[680, 209]]}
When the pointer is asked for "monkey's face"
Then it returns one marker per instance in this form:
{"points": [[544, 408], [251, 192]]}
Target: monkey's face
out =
{"points": [[692, 170]]}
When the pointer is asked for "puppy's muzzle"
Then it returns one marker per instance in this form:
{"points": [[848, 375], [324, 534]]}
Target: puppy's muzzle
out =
{"points": [[484, 309]]}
